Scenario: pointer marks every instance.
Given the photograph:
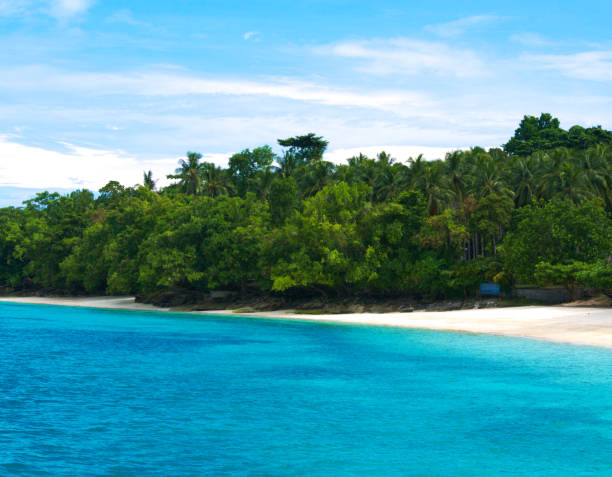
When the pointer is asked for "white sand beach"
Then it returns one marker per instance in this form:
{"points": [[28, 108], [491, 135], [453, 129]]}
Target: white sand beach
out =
{"points": [[112, 302], [572, 325]]}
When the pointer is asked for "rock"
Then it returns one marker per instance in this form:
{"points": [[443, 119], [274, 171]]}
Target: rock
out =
{"points": [[444, 306], [334, 309], [221, 294], [311, 305]]}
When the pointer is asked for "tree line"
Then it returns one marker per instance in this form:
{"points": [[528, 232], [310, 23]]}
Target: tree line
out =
{"points": [[536, 211]]}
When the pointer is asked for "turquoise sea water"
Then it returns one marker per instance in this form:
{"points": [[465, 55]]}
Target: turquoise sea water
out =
{"points": [[94, 392]]}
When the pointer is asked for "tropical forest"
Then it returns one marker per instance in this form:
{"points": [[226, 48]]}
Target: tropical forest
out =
{"points": [[535, 211]]}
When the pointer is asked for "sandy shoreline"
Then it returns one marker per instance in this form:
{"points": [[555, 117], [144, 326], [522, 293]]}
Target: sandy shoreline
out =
{"points": [[578, 325]]}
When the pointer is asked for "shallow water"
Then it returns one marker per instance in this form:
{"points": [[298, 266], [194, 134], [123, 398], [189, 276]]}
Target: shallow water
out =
{"points": [[97, 392]]}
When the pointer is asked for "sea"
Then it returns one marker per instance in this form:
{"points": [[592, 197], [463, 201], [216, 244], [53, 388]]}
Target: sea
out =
{"points": [[124, 393]]}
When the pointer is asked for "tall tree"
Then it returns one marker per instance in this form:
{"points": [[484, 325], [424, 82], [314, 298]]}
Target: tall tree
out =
{"points": [[433, 183], [288, 163], [523, 179], [306, 148], [244, 166], [215, 181], [147, 180], [189, 174]]}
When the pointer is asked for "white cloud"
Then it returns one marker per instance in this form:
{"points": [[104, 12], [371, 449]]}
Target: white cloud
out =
{"points": [[85, 167], [168, 84], [79, 167], [458, 27], [60, 9], [165, 85], [408, 56], [14, 7], [250, 35], [587, 65], [531, 39], [63, 9], [125, 16]]}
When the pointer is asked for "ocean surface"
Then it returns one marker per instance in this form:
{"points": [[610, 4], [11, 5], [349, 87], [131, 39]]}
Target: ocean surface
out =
{"points": [[95, 392]]}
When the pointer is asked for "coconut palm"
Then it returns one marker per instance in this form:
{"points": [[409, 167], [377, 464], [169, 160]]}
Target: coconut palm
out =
{"points": [[458, 174], [596, 168], [572, 183], [417, 169], [433, 183], [288, 164], [551, 164], [489, 178], [603, 153], [523, 179], [189, 174], [390, 180], [264, 180], [316, 176], [215, 181], [148, 181], [363, 169]]}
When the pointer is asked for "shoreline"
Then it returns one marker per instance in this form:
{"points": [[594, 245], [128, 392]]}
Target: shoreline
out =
{"points": [[571, 325]]}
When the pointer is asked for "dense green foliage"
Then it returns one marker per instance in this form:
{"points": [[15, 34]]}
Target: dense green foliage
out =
{"points": [[536, 212], [544, 133]]}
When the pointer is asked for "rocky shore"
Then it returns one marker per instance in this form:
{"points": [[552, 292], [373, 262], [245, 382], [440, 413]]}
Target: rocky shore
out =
{"points": [[194, 301]]}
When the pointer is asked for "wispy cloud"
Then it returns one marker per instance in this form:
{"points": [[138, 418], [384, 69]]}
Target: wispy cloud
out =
{"points": [[164, 84], [14, 7], [587, 65], [66, 9], [60, 9], [408, 57], [532, 40], [459, 27], [250, 35], [126, 17]]}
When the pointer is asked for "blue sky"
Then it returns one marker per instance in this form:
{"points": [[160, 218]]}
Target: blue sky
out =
{"points": [[92, 91]]}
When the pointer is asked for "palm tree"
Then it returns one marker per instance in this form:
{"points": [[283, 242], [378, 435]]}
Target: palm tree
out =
{"points": [[363, 169], [523, 179], [433, 183], [551, 164], [148, 181], [390, 180], [489, 178], [417, 169], [572, 184], [596, 169], [316, 176], [603, 155], [215, 181], [385, 158], [189, 174], [288, 164], [344, 173], [457, 174], [264, 180]]}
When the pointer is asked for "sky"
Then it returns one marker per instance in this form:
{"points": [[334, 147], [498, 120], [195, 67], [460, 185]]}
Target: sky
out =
{"points": [[92, 91]]}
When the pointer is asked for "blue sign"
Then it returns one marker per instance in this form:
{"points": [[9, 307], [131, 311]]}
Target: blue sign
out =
{"points": [[489, 289]]}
